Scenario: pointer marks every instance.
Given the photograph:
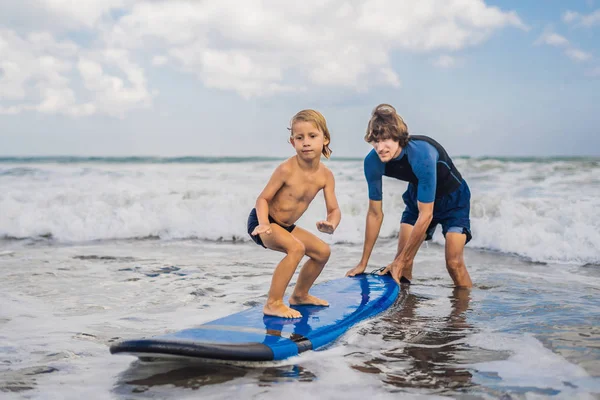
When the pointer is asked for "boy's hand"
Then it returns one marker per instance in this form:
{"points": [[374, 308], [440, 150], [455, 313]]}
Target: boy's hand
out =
{"points": [[325, 227], [262, 228]]}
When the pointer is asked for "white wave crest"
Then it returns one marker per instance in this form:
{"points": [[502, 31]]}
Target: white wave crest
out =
{"points": [[546, 211]]}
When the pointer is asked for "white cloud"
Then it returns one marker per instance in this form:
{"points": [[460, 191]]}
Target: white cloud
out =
{"points": [[114, 94], [556, 40], [552, 39], [578, 55], [588, 20], [85, 14], [445, 61], [58, 16], [159, 60], [39, 73], [36, 64], [570, 16], [591, 19], [254, 47]]}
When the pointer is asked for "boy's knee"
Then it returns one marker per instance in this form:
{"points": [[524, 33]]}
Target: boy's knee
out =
{"points": [[297, 250], [323, 254], [326, 253]]}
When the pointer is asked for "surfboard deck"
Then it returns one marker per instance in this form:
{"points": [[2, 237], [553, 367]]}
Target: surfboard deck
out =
{"points": [[250, 335]]}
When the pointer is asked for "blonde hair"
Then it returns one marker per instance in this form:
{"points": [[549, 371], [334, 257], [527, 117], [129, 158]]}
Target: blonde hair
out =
{"points": [[385, 123], [318, 120]]}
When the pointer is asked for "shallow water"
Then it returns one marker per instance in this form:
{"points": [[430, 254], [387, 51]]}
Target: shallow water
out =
{"points": [[525, 331]]}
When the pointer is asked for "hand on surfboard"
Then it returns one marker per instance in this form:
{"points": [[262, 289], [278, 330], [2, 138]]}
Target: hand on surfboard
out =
{"points": [[325, 227], [397, 270], [359, 269], [262, 229], [385, 271]]}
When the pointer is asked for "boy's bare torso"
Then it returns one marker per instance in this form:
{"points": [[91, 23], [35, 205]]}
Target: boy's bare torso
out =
{"points": [[299, 189]]}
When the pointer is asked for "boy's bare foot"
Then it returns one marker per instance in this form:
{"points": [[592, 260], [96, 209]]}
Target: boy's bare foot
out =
{"points": [[308, 300], [278, 309]]}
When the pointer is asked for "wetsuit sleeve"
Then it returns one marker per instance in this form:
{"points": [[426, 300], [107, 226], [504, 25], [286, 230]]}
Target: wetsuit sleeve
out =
{"points": [[423, 160], [374, 170]]}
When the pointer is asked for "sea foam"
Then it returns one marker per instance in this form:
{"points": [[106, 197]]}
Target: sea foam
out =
{"points": [[543, 210]]}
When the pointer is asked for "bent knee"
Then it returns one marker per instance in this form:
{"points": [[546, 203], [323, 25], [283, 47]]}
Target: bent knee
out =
{"points": [[297, 250], [322, 255], [455, 263]]}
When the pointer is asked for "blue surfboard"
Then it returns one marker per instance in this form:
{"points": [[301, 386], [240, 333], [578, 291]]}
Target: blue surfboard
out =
{"points": [[252, 336]]}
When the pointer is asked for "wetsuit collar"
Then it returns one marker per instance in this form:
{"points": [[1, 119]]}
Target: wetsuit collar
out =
{"points": [[400, 155]]}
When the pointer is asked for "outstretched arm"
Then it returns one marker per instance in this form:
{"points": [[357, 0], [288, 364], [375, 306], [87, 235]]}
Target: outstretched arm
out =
{"points": [[374, 221], [334, 215], [374, 170], [424, 164]]}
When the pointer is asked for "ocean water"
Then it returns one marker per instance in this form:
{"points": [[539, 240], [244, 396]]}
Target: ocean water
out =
{"points": [[94, 250]]}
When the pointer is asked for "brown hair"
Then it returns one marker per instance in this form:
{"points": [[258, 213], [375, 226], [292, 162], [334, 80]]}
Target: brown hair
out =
{"points": [[385, 123], [318, 120]]}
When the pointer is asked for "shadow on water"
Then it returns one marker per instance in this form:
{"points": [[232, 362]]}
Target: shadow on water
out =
{"points": [[426, 351], [141, 377], [423, 352]]}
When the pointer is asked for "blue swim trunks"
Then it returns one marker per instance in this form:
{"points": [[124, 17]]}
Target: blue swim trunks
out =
{"points": [[451, 210], [253, 223]]}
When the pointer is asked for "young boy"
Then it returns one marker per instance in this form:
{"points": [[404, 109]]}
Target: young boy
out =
{"points": [[292, 187]]}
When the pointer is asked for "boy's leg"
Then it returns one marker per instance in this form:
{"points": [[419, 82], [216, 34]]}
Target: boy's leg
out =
{"points": [[455, 260], [283, 241], [318, 252]]}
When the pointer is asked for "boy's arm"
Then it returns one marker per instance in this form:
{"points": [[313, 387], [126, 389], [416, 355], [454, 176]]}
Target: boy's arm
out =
{"points": [[262, 202], [425, 169], [374, 170], [334, 215], [374, 221], [416, 238]]}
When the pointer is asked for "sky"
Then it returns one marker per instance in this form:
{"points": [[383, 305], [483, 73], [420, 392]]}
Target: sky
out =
{"points": [[223, 77]]}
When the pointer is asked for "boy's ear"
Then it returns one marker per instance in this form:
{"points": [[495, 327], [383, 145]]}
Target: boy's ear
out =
{"points": [[292, 142]]}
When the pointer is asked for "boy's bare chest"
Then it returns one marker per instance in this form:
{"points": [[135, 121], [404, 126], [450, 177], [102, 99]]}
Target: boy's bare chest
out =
{"points": [[302, 188]]}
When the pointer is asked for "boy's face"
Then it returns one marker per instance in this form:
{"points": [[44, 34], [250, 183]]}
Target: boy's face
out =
{"points": [[308, 140], [387, 149]]}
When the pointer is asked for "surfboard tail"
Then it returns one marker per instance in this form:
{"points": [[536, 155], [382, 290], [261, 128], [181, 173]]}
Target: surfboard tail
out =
{"points": [[217, 351]]}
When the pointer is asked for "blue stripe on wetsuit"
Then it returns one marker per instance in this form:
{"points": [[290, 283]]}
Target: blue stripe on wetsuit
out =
{"points": [[422, 157]]}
